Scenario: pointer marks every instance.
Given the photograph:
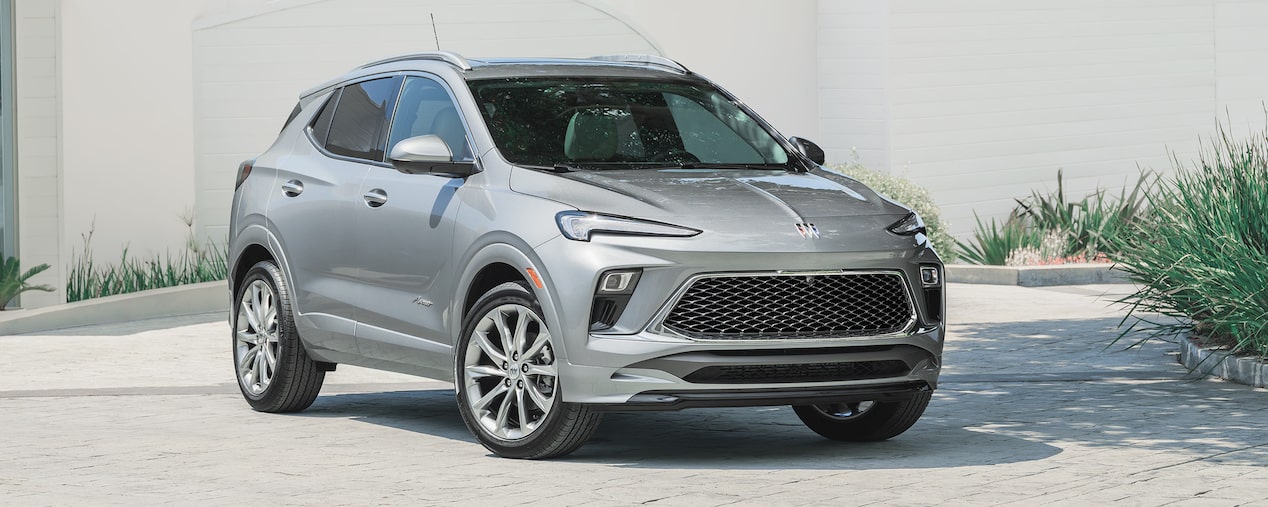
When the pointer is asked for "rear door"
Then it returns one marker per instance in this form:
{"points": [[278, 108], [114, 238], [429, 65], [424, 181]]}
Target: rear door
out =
{"points": [[314, 212]]}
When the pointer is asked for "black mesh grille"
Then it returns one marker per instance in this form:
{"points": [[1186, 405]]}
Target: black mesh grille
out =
{"points": [[802, 372], [783, 307]]}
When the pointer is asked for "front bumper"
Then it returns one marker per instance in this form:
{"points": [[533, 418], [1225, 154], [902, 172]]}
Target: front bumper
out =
{"points": [[677, 400], [642, 373], [635, 366]]}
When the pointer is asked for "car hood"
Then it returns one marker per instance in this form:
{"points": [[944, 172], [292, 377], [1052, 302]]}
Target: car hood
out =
{"points": [[676, 194], [736, 210]]}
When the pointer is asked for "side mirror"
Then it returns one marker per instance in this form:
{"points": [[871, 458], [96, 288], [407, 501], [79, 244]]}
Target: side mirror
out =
{"points": [[811, 150], [428, 155]]}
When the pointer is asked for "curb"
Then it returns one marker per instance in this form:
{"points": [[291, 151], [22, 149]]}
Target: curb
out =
{"points": [[190, 299], [1037, 276], [1211, 361]]}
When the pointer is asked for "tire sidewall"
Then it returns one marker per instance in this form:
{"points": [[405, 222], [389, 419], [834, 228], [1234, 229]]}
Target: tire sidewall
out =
{"points": [[507, 293]]}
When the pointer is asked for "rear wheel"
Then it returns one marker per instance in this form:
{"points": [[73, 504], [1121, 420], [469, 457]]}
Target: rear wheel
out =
{"points": [[863, 421], [274, 371], [508, 381]]}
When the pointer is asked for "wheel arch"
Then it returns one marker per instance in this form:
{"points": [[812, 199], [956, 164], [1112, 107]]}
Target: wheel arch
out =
{"points": [[251, 255], [490, 276], [497, 263]]}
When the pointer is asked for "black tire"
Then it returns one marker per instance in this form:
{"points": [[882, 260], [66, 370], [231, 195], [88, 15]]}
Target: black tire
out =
{"points": [[295, 379], [559, 429], [878, 421]]}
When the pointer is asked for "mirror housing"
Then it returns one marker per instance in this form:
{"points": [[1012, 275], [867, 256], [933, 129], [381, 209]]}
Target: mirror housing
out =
{"points": [[808, 148], [428, 154]]}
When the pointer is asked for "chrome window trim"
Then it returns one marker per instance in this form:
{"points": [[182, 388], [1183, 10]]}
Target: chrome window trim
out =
{"points": [[656, 325]]}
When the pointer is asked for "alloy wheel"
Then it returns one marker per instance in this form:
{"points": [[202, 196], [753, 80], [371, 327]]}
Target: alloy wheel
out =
{"points": [[256, 344], [510, 372]]}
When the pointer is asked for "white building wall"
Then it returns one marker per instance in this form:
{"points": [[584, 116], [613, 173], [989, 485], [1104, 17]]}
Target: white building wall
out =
{"points": [[992, 97], [1241, 72], [979, 100], [127, 126], [36, 76], [251, 62], [986, 99], [853, 92]]}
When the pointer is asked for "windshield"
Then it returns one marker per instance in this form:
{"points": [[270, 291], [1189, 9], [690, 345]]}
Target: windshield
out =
{"points": [[603, 123]]}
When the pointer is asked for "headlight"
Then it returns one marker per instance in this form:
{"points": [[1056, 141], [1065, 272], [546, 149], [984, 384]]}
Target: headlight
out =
{"points": [[910, 225], [579, 225]]}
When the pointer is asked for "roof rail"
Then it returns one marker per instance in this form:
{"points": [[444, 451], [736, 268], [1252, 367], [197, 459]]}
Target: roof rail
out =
{"points": [[644, 59], [448, 57]]}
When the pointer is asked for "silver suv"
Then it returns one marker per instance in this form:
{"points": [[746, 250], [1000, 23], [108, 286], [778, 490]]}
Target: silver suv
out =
{"points": [[560, 238]]}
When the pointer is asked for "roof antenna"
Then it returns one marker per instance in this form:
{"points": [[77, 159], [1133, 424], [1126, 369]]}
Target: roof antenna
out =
{"points": [[433, 30]]}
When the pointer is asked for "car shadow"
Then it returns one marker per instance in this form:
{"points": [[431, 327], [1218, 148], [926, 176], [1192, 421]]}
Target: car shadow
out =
{"points": [[735, 438], [1014, 392]]}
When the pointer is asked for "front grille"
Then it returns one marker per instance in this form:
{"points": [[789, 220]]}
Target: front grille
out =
{"points": [[801, 372], [776, 307]]}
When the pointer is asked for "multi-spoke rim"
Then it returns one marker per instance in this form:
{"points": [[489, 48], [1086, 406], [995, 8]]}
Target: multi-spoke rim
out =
{"points": [[509, 372], [845, 411], [256, 346]]}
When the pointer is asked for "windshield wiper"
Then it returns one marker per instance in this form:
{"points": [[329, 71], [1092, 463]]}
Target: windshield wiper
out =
{"points": [[715, 165], [557, 168]]}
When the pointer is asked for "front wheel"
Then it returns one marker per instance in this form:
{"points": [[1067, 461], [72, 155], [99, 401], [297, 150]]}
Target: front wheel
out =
{"points": [[507, 376], [863, 421]]}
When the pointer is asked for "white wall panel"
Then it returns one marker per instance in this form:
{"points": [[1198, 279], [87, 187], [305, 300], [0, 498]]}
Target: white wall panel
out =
{"points": [[1241, 72], [127, 126], [854, 98], [987, 99], [37, 125]]}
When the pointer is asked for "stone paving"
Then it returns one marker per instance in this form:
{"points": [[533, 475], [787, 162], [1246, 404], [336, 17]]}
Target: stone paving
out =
{"points": [[1033, 410]]}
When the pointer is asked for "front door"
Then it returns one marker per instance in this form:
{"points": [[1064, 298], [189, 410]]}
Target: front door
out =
{"points": [[405, 228]]}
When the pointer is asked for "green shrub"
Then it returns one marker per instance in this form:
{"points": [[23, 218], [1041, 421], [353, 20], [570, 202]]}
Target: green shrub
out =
{"points": [[993, 242], [195, 264], [1202, 259], [914, 196], [1050, 228], [1093, 225], [13, 281]]}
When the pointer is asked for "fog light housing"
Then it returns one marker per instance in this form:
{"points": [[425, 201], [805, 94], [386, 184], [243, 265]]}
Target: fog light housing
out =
{"points": [[618, 282], [611, 295], [930, 276]]}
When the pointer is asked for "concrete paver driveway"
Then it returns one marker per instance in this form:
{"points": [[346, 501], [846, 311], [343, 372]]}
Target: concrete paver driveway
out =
{"points": [[1033, 410]]}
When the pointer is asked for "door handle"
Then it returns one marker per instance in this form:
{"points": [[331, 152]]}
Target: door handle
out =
{"points": [[293, 188], [375, 197]]}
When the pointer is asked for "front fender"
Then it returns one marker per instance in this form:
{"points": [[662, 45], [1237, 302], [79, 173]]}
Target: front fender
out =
{"points": [[510, 250]]}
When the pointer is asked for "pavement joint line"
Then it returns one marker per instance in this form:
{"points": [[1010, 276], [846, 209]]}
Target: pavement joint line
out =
{"points": [[216, 389], [1081, 376], [1200, 458]]}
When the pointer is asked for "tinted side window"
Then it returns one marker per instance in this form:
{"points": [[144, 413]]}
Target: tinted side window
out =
{"points": [[425, 108], [359, 128], [321, 126]]}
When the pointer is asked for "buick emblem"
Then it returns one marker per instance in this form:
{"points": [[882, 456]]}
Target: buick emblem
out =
{"points": [[808, 231]]}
